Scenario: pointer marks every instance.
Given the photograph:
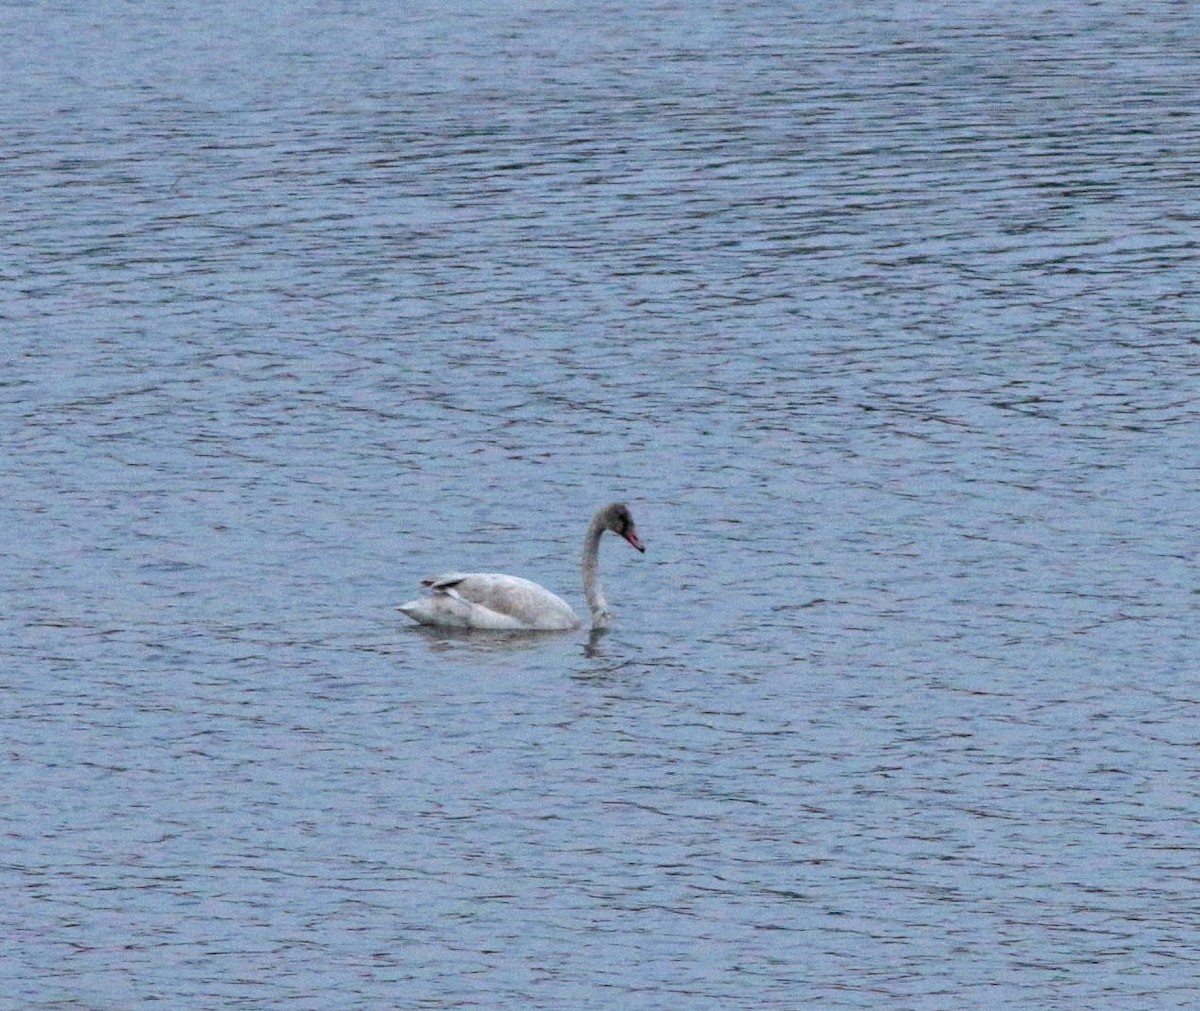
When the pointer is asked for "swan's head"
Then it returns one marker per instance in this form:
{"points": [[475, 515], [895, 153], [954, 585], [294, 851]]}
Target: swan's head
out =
{"points": [[619, 521]]}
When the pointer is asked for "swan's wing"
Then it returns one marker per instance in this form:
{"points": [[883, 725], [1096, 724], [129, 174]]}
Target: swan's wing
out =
{"points": [[522, 600], [448, 610], [445, 609]]}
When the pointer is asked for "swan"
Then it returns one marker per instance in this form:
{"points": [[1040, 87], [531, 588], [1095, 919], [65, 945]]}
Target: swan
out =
{"points": [[496, 601]]}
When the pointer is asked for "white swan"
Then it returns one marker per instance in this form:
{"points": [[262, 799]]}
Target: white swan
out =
{"points": [[496, 601]]}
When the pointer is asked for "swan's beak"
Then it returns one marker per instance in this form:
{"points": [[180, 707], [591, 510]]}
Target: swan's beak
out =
{"points": [[631, 536]]}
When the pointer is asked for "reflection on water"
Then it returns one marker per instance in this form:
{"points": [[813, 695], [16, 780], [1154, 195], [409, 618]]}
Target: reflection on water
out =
{"points": [[595, 642], [881, 321], [466, 641], [476, 640]]}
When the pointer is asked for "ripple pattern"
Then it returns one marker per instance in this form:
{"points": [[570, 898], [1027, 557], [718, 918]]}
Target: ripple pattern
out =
{"points": [[884, 323]]}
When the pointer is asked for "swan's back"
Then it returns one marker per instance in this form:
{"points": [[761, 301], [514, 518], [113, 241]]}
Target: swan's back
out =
{"points": [[491, 600]]}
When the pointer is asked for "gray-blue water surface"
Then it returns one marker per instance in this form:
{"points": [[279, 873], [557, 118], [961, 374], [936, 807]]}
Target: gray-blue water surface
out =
{"points": [[882, 319]]}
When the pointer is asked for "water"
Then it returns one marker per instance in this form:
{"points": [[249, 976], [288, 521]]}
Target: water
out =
{"points": [[884, 324]]}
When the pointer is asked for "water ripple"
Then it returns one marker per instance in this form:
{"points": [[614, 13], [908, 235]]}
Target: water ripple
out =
{"points": [[882, 321]]}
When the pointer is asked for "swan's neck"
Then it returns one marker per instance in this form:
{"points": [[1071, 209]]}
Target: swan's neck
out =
{"points": [[591, 576]]}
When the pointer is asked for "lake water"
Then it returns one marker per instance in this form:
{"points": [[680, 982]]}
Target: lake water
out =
{"points": [[882, 320]]}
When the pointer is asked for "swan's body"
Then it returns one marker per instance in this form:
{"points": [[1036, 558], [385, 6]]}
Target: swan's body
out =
{"points": [[490, 600], [495, 601]]}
